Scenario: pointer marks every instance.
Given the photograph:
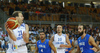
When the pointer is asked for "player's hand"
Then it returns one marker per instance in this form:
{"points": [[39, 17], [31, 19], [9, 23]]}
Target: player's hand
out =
{"points": [[8, 29], [62, 45], [70, 51], [66, 50], [24, 35], [94, 49]]}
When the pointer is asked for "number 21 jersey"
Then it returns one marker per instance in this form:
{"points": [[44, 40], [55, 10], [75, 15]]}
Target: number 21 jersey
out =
{"points": [[18, 32]]}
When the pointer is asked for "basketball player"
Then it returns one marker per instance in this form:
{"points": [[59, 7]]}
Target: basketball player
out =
{"points": [[44, 45], [69, 50], [18, 37], [60, 40], [85, 41]]}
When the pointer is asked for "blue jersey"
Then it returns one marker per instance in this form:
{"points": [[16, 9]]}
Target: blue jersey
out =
{"points": [[84, 44], [44, 47], [69, 48]]}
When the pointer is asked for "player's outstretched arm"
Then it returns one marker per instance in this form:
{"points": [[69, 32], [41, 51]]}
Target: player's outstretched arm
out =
{"points": [[36, 51], [26, 34], [92, 42], [10, 32], [78, 50], [52, 46]]}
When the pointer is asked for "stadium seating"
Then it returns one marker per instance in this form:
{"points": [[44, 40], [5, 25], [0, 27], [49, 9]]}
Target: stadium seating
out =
{"points": [[76, 10]]}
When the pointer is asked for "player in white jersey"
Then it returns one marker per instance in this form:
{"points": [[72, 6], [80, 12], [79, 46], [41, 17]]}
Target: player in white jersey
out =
{"points": [[60, 40], [19, 36]]}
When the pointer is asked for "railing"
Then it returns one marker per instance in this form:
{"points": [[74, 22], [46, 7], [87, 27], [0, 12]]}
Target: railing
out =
{"points": [[3, 18], [49, 18], [45, 18]]}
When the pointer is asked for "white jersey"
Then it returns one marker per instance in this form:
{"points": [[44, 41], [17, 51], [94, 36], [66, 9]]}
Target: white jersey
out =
{"points": [[18, 32], [58, 40]]}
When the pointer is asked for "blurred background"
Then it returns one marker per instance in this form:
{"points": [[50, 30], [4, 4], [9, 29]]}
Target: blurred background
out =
{"points": [[45, 15]]}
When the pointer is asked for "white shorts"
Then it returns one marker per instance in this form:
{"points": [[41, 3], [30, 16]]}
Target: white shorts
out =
{"points": [[22, 49], [60, 51]]}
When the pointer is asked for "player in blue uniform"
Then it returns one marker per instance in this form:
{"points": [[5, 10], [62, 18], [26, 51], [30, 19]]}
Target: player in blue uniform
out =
{"points": [[44, 45], [69, 50], [85, 41]]}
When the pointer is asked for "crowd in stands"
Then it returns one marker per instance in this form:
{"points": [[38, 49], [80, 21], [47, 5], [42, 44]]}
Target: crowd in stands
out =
{"points": [[31, 11], [71, 30], [4, 41]]}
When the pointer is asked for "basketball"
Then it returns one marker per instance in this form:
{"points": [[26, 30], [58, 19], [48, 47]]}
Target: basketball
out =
{"points": [[12, 23]]}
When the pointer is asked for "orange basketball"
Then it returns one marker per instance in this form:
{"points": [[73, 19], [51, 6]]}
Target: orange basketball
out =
{"points": [[12, 23]]}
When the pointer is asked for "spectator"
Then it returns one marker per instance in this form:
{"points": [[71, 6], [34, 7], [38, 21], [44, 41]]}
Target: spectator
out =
{"points": [[2, 43], [40, 29], [47, 36], [3, 35], [33, 28], [31, 13], [6, 46], [35, 32], [37, 38], [30, 30], [95, 36], [33, 41], [1, 47], [75, 42], [45, 29], [92, 5], [30, 36], [54, 31], [6, 38]]}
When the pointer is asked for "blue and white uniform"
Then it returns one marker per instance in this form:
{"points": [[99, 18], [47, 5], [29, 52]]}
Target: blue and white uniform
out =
{"points": [[18, 46], [58, 40]]}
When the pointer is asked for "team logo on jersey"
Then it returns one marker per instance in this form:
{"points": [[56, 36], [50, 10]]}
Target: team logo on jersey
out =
{"points": [[42, 46], [82, 43], [15, 46], [45, 42]]}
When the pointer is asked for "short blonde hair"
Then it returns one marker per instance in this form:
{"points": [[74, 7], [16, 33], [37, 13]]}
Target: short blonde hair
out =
{"points": [[15, 13]]}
